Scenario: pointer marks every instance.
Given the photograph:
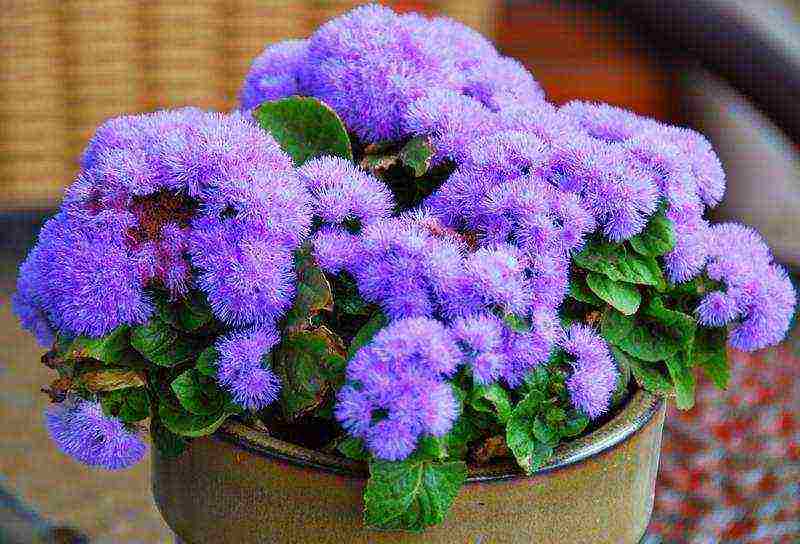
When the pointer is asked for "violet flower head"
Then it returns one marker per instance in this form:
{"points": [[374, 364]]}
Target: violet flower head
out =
{"points": [[242, 368], [335, 249], [758, 297], [594, 375], [81, 430], [81, 278], [370, 64], [501, 82], [465, 47], [342, 192], [498, 276], [396, 390], [526, 350], [481, 338], [605, 122], [273, 75]]}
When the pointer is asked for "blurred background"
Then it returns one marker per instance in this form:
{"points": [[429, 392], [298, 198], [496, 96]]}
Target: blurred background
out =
{"points": [[730, 68]]}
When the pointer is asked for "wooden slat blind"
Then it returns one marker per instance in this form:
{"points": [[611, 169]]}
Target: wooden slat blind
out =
{"points": [[66, 65]]}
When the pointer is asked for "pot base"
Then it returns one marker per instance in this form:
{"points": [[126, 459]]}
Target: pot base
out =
{"points": [[242, 487]]}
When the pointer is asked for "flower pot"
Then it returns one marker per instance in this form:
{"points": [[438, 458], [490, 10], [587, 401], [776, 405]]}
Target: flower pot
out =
{"points": [[241, 486]]}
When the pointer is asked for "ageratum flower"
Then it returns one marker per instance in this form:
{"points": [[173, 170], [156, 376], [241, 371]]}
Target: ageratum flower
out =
{"points": [[342, 192], [481, 338], [159, 196], [273, 75], [758, 298], [397, 389], [81, 430], [242, 367], [594, 376]]}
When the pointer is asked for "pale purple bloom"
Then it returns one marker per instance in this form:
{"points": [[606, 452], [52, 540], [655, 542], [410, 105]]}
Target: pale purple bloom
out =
{"points": [[273, 75], [81, 430], [758, 298], [524, 351], [335, 249], [396, 389], [594, 375], [605, 122], [497, 274], [465, 47], [501, 82], [243, 366], [340, 192], [481, 338]]}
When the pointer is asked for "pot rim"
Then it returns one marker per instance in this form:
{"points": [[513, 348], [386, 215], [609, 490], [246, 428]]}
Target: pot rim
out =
{"points": [[636, 414]]}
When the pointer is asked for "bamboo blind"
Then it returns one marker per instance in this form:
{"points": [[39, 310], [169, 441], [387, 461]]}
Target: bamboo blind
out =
{"points": [[66, 65]]}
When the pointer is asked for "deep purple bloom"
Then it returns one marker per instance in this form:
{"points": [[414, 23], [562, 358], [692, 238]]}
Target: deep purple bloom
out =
{"points": [[481, 338], [498, 276], [243, 367], [273, 75], [758, 298], [335, 249], [594, 375], [341, 191], [370, 64], [81, 430], [396, 389]]}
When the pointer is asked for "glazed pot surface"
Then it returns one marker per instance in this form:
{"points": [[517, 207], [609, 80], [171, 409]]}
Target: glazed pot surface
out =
{"points": [[241, 486]]}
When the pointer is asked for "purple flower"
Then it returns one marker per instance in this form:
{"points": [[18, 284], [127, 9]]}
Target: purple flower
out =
{"points": [[498, 275], [594, 375], [758, 298], [605, 122], [370, 64], [396, 390], [81, 278], [501, 82], [273, 75], [335, 249], [243, 368], [524, 351], [341, 191], [465, 47], [23, 302], [481, 338], [81, 430]]}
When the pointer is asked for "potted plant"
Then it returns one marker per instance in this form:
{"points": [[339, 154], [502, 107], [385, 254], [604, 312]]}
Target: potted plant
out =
{"points": [[397, 271]]}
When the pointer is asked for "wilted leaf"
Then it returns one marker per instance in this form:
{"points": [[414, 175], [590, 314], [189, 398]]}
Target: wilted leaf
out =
{"points": [[313, 293], [110, 379], [417, 155]]}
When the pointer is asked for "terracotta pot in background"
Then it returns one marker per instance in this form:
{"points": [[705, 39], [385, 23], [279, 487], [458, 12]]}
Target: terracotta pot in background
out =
{"points": [[241, 486]]}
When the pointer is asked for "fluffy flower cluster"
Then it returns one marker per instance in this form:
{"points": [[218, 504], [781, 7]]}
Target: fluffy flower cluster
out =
{"points": [[242, 369], [595, 374], [758, 295], [82, 430], [371, 64], [159, 195], [397, 390]]}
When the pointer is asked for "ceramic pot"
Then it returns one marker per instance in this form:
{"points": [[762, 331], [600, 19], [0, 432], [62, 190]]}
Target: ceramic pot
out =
{"points": [[241, 486]]}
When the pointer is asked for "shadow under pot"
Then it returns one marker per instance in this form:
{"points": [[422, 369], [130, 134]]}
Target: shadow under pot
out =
{"points": [[241, 486]]}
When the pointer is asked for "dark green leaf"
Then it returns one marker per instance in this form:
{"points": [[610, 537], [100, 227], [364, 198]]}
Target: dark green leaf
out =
{"points": [[643, 340], [129, 405], [169, 444], [491, 399], [197, 393], [581, 292], [194, 312], [622, 296], [305, 128], [517, 323], [575, 424], [184, 423], [310, 365], [545, 433], [616, 326], [162, 345], [711, 355], [313, 293], [432, 447], [207, 362], [647, 375], [614, 261], [681, 326], [366, 333], [353, 448], [657, 239], [682, 377], [412, 494], [417, 155], [530, 452], [110, 349]]}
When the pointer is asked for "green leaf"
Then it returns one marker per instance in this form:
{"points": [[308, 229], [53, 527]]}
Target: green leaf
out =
{"points": [[616, 326], [614, 261], [207, 362], [682, 377], [310, 365], [313, 293], [412, 494], [432, 447], [353, 448], [184, 423], [129, 405], [516, 323], [367, 332], [640, 339], [624, 297], [194, 312], [579, 291], [491, 399], [169, 444], [347, 298], [110, 349], [305, 128], [530, 452], [575, 424], [682, 326], [162, 345], [197, 393], [711, 355], [544, 432], [457, 440], [657, 239], [417, 155], [646, 374]]}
